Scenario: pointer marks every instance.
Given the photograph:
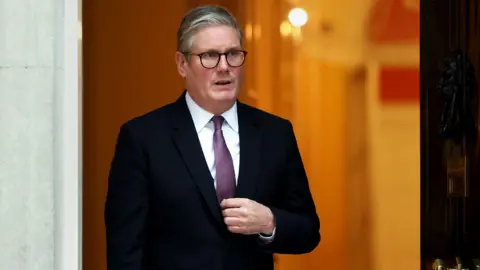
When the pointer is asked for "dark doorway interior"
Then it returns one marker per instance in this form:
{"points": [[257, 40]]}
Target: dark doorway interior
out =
{"points": [[450, 69]]}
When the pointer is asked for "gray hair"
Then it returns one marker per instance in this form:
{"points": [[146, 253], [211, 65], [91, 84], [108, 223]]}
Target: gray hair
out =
{"points": [[201, 17]]}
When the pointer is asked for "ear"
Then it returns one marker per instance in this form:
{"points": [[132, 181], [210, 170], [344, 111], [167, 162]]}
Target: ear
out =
{"points": [[181, 64]]}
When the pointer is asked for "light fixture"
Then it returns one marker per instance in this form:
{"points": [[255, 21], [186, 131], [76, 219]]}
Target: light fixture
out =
{"points": [[298, 17]]}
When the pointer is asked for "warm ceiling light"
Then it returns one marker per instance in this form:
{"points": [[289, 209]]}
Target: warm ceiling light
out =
{"points": [[298, 17]]}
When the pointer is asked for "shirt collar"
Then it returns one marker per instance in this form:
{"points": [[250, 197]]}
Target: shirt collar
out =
{"points": [[201, 117]]}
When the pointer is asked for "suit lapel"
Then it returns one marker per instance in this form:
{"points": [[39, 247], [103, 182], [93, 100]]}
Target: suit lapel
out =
{"points": [[250, 153], [186, 140]]}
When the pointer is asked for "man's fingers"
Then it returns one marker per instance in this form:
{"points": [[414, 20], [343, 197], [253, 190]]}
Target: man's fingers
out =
{"points": [[240, 229], [234, 212], [233, 221], [233, 203], [236, 229]]}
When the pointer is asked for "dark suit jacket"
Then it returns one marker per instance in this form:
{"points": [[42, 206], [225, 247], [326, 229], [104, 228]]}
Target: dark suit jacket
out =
{"points": [[161, 211]]}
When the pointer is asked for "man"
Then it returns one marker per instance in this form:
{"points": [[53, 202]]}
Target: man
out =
{"points": [[207, 182]]}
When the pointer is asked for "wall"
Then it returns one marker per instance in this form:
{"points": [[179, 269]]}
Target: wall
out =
{"points": [[39, 97], [360, 143], [394, 128], [283, 79], [26, 145], [329, 116], [395, 167]]}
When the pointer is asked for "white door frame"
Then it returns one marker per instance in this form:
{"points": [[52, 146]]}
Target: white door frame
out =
{"points": [[68, 136]]}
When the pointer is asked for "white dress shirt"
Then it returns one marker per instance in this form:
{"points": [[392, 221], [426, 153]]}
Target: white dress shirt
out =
{"points": [[202, 120], [205, 129]]}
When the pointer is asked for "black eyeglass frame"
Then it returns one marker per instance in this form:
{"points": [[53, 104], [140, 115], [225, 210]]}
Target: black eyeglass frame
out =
{"points": [[200, 55]]}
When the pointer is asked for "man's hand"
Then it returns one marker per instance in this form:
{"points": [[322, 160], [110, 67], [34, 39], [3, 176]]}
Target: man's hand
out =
{"points": [[247, 217]]}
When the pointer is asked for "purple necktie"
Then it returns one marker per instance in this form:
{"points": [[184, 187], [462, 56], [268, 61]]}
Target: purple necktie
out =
{"points": [[225, 174]]}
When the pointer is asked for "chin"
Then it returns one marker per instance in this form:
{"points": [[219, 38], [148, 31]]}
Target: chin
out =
{"points": [[225, 94]]}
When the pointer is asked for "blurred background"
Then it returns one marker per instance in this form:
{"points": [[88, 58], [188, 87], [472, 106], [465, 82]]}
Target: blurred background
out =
{"points": [[345, 72]]}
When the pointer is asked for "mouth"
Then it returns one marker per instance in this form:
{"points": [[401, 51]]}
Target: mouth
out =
{"points": [[223, 82]]}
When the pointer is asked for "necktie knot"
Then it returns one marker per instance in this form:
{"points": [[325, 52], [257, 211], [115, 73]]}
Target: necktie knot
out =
{"points": [[217, 122]]}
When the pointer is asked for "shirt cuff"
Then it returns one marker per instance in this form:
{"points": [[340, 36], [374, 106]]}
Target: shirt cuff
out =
{"points": [[268, 238]]}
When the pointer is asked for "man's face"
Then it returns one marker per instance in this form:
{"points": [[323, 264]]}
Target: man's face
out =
{"points": [[213, 87]]}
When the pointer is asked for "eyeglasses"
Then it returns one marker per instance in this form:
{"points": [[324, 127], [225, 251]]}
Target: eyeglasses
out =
{"points": [[235, 58]]}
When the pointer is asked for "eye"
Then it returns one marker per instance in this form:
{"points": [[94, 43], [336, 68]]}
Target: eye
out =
{"points": [[234, 53], [210, 55]]}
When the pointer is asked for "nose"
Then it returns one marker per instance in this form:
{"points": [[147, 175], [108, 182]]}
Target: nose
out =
{"points": [[223, 64]]}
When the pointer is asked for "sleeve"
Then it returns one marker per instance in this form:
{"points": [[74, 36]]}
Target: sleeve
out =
{"points": [[297, 224], [126, 204]]}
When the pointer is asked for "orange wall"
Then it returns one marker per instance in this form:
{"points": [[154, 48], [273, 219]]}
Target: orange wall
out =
{"points": [[319, 115], [326, 160], [395, 174], [311, 93], [394, 122]]}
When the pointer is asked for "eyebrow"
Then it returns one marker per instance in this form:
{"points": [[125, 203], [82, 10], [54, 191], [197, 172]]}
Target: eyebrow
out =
{"points": [[227, 50]]}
